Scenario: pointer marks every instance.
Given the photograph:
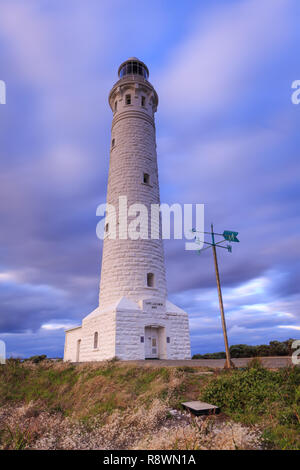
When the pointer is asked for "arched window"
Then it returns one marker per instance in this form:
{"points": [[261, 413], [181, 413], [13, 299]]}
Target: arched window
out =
{"points": [[96, 340], [150, 280]]}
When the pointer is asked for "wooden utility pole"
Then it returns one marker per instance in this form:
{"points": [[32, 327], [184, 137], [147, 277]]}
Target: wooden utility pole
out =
{"points": [[228, 364]]}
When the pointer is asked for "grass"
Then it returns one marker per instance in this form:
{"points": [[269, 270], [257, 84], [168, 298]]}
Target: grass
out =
{"points": [[25, 383], [264, 397], [83, 390], [121, 392]]}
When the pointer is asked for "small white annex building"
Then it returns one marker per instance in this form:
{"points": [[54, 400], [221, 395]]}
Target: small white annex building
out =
{"points": [[134, 319]]}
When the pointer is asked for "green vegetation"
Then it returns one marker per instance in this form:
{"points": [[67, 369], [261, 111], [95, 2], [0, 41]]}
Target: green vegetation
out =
{"points": [[216, 355], [259, 396], [274, 348], [117, 394], [83, 390], [36, 359]]}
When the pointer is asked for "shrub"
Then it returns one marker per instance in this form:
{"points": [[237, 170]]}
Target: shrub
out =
{"points": [[242, 350], [258, 395], [255, 363], [274, 348], [217, 355], [279, 349], [37, 359]]}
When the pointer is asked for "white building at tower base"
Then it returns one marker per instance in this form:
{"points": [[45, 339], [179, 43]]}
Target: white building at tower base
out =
{"points": [[131, 331]]}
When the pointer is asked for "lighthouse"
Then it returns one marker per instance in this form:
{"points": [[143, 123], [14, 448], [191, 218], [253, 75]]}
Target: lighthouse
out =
{"points": [[134, 319]]}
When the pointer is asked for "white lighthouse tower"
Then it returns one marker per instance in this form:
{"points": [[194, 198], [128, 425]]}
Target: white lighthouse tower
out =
{"points": [[134, 319]]}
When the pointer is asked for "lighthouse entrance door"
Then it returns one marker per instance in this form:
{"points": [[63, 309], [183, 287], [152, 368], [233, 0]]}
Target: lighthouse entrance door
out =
{"points": [[151, 342]]}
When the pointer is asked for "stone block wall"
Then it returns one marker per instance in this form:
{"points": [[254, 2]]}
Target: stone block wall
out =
{"points": [[120, 332], [126, 262]]}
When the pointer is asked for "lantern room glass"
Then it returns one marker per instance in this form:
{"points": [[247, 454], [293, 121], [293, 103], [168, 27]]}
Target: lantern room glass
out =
{"points": [[133, 68]]}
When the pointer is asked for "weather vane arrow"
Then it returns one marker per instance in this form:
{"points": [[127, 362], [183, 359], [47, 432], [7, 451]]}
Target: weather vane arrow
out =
{"points": [[230, 236]]}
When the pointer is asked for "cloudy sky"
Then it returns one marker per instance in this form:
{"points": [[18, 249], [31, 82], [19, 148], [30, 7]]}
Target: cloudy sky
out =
{"points": [[228, 136]]}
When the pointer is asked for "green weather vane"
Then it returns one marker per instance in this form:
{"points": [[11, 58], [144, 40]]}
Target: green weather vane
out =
{"points": [[228, 236]]}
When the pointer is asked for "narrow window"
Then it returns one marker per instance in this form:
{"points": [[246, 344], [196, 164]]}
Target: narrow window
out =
{"points": [[146, 178], [142, 339], [116, 105], [113, 142], [106, 227], [150, 280], [96, 340], [168, 339], [128, 99], [78, 350], [143, 101]]}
